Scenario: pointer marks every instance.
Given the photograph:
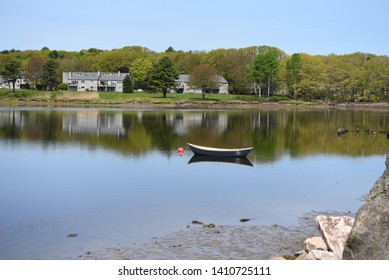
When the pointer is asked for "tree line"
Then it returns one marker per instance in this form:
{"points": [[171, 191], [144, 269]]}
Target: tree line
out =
{"points": [[260, 70]]}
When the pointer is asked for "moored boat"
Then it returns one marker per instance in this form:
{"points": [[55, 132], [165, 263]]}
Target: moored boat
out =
{"points": [[211, 151]]}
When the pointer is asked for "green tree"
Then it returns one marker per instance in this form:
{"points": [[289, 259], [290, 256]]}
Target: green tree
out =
{"points": [[204, 77], [49, 74], [128, 84], [170, 49], [266, 65], [163, 75], [313, 78], [140, 70], [12, 71], [293, 66]]}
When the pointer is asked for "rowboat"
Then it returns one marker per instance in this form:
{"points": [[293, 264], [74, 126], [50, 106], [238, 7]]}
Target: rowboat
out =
{"points": [[219, 152], [213, 159]]}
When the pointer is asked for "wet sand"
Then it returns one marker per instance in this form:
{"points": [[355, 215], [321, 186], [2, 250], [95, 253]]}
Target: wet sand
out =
{"points": [[196, 242]]}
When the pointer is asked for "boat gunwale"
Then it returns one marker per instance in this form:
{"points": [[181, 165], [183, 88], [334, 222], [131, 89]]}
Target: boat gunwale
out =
{"points": [[219, 149]]}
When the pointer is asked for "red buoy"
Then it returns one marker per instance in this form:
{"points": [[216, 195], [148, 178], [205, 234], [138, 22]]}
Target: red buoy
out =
{"points": [[180, 151]]}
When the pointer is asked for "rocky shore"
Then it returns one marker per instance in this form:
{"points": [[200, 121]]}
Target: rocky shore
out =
{"points": [[364, 238]]}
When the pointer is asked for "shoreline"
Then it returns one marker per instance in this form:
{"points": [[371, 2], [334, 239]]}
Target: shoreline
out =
{"points": [[182, 105], [222, 242]]}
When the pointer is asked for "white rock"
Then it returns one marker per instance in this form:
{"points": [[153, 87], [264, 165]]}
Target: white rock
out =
{"points": [[315, 243], [323, 255], [335, 231]]}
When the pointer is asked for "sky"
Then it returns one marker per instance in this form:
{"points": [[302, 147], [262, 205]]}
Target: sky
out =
{"points": [[316, 27]]}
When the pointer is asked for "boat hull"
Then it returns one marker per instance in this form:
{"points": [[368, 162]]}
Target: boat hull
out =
{"points": [[218, 152]]}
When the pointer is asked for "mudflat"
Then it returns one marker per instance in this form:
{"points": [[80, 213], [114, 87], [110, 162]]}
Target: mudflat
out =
{"points": [[199, 242]]}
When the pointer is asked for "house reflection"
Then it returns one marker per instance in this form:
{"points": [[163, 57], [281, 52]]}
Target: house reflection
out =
{"points": [[93, 122], [182, 123], [12, 118]]}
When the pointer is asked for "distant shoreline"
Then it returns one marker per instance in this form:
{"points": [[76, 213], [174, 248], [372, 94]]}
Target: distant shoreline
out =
{"points": [[206, 104]]}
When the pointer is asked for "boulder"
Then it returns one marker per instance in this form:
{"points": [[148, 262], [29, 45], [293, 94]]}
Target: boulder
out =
{"points": [[335, 231], [303, 256], [369, 237], [277, 259], [323, 255], [380, 190], [315, 243]]}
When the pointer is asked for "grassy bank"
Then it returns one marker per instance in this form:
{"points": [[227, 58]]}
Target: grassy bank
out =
{"points": [[132, 98], [172, 100]]}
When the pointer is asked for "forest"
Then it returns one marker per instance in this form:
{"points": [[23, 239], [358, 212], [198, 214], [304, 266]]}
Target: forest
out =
{"points": [[260, 70]]}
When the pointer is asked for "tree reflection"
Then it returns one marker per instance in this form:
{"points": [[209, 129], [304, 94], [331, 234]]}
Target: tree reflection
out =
{"points": [[273, 134]]}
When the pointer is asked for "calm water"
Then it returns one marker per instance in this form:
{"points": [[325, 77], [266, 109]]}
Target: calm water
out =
{"points": [[113, 177]]}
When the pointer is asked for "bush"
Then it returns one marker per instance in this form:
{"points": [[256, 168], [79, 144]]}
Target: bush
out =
{"points": [[63, 86]]}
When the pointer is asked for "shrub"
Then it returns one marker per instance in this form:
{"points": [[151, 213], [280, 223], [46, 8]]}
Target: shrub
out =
{"points": [[63, 86]]}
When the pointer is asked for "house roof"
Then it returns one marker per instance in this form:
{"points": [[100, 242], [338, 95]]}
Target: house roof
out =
{"points": [[112, 77], [184, 78], [97, 76], [84, 76]]}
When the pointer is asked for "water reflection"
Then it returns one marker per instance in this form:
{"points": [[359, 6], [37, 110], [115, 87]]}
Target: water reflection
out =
{"points": [[273, 134], [93, 122], [236, 160]]}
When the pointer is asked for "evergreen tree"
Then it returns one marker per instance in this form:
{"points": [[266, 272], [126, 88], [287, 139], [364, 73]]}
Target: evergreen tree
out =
{"points": [[128, 84], [163, 75]]}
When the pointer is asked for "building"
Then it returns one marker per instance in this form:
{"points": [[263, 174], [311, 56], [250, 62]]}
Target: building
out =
{"points": [[8, 85], [94, 81], [182, 85]]}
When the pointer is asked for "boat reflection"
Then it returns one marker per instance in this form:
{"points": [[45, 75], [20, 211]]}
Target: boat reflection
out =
{"points": [[236, 160]]}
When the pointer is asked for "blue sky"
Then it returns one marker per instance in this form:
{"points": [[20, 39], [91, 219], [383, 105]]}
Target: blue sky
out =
{"points": [[313, 27]]}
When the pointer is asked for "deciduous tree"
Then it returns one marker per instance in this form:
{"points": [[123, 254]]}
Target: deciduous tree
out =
{"points": [[49, 74], [293, 66], [12, 71], [265, 67], [204, 77], [33, 69]]}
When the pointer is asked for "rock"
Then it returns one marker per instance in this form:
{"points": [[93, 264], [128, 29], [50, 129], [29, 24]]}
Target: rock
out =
{"points": [[209, 225], [303, 256], [323, 255], [277, 259], [335, 231], [315, 243], [369, 237], [380, 190]]}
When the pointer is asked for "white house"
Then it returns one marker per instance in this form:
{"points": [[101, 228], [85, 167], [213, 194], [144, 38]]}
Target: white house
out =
{"points": [[182, 85], [8, 85], [94, 81]]}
